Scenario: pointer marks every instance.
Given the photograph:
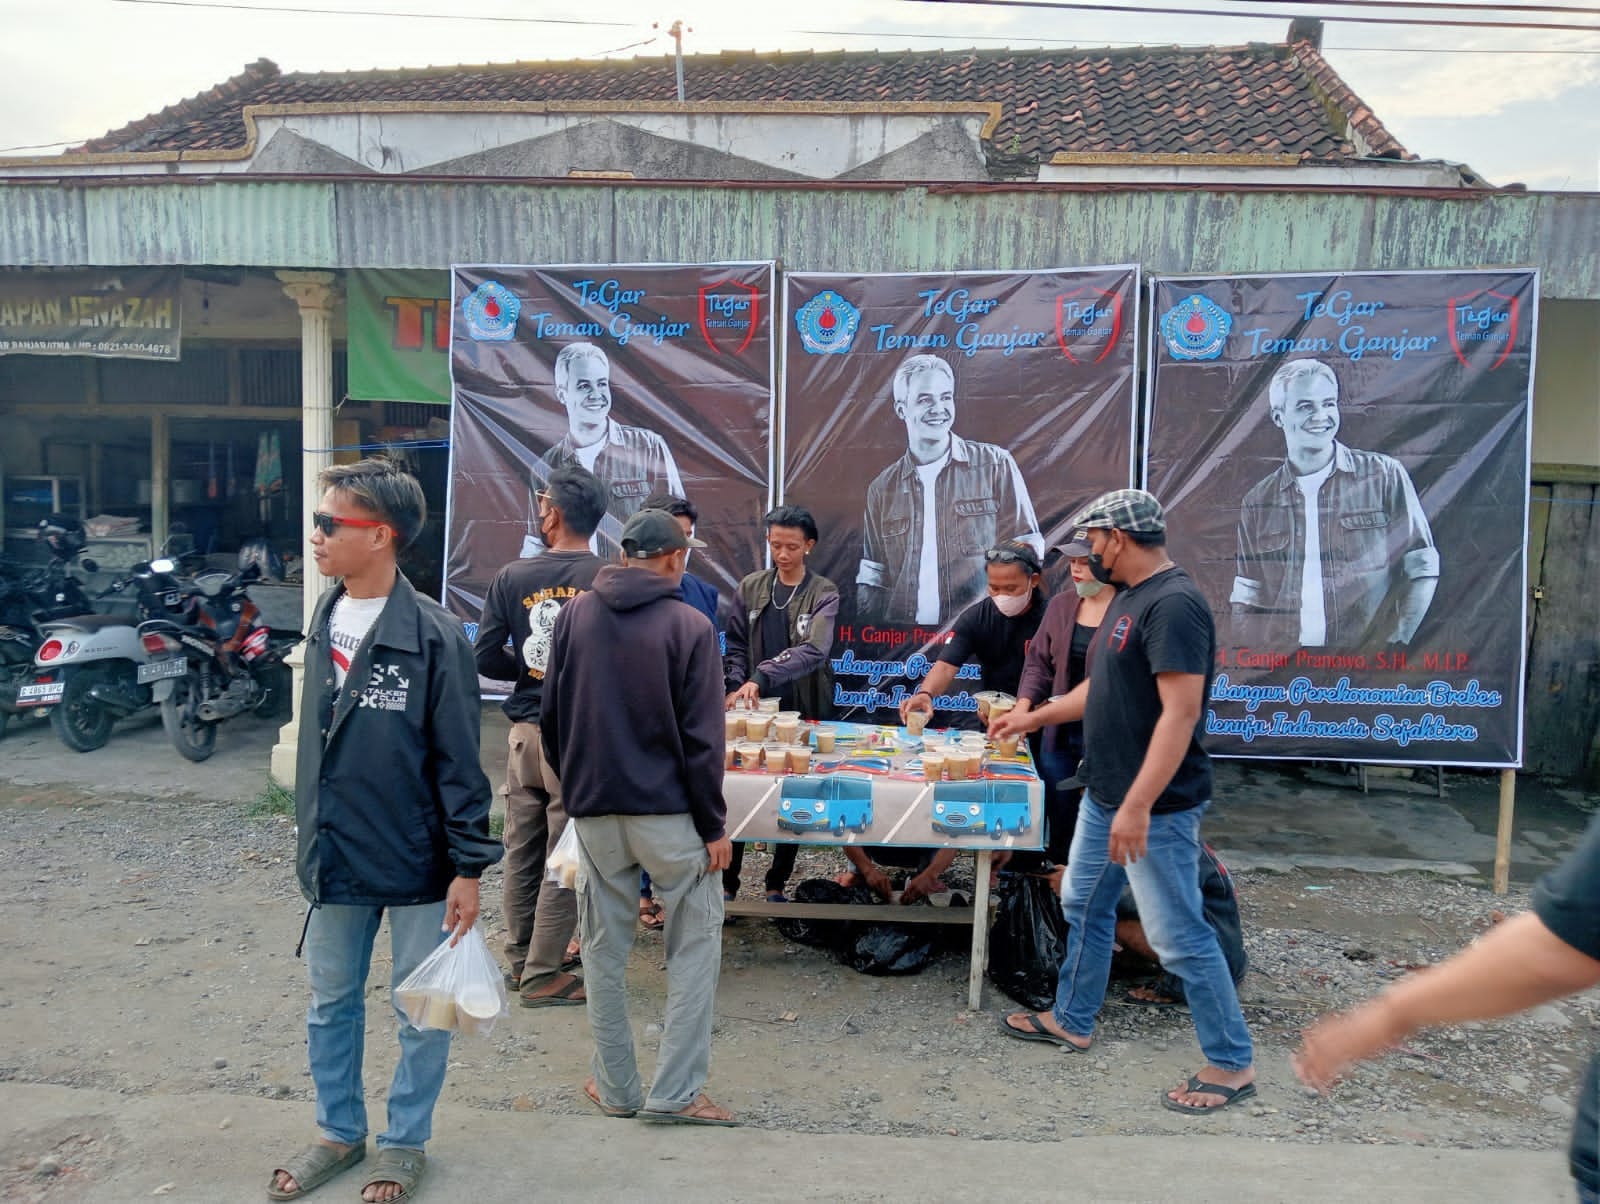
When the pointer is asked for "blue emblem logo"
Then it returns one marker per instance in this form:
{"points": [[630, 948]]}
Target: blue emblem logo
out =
{"points": [[491, 312], [827, 324], [1196, 328]]}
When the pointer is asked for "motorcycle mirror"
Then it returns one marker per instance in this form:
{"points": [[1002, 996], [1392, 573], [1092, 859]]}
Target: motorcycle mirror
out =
{"points": [[89, 565], [164, 565]]}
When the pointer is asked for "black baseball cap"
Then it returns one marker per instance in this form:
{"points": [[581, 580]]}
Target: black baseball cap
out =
{"points": [[1077, 545], [652, 533]]}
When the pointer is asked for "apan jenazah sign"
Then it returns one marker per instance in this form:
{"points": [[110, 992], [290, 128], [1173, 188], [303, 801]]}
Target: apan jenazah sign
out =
{"points": [[132, 313]]}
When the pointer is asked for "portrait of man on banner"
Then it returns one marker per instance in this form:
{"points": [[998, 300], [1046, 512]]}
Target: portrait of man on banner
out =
{"points": [[631, 461], [1334, 549], [931, 514]]}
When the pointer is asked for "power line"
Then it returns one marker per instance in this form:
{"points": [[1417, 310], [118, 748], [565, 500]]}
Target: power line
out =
{"points": [[1136, 9], [1077, 42], [367, 12], [1454, 5]]}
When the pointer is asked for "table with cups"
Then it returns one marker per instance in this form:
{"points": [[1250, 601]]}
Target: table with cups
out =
{"points": [[795, 781]]}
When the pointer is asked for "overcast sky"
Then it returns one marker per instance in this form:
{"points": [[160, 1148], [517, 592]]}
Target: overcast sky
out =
{"points": [[1525, 106]]}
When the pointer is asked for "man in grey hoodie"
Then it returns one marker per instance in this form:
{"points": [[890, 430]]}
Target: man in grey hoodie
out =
{"points": [[632, 719]]}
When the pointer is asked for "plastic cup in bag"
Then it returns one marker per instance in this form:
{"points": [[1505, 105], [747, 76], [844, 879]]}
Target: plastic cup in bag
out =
{"points": [[477, 1009]]}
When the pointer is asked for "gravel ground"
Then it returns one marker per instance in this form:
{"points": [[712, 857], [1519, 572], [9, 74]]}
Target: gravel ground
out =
{"points": [[151, 952]]}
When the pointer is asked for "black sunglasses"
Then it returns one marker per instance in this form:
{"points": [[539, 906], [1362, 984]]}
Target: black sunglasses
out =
{"points": [[329, 523], [1011, 556]]}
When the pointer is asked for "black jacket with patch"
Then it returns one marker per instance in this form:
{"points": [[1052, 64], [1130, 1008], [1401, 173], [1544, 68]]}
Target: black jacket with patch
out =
{"points": [[390, 798]]}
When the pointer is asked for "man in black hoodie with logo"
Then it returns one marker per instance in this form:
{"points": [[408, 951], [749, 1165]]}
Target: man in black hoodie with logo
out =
{"points": [[632, 719]]}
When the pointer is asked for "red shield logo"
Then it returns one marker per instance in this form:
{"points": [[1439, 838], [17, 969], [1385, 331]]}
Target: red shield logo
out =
{"points": [[728, 314], [1088, 321], [1482, 322]]}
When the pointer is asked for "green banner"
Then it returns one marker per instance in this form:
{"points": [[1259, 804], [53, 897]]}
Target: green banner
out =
{"points": [[400, 335]]}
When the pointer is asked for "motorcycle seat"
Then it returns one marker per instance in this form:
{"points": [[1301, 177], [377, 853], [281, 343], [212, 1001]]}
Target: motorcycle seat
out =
{"points": [[212, 584], [91, 622]]}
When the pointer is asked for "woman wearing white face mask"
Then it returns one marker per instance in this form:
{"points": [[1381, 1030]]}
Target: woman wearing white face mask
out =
{"points": [[995, 631], [1055, 664]]}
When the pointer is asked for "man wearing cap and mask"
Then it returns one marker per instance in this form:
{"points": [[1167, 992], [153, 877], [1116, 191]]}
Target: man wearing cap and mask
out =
{"points": [[1147, 782], [631, 717]]}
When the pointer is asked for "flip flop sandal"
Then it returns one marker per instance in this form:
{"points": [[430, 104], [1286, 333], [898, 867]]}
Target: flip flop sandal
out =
{"points": [[573, 956], [593, 1092], [650, 915], [687, 1116], [396, 1164], [568, 994], [1230, 1095], [312, 1167], [1036, 1031]]}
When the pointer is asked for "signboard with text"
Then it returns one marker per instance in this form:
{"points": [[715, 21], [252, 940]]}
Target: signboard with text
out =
{"points": [[929, 417], [126, 313], [1345, 460]]}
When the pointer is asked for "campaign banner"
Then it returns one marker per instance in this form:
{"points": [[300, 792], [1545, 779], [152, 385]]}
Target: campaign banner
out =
{"points": [[399, 326], [1344, 461], [655, 377], [928, 417], [123, 313]]}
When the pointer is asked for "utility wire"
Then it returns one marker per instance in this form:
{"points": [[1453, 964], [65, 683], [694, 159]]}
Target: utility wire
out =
{"points": [[1453, 5], [367, 12], [1136, 9], [1026, 43]]}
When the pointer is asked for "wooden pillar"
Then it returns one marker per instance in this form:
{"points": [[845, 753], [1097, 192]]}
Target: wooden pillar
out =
{"points": [[1502, 843]]}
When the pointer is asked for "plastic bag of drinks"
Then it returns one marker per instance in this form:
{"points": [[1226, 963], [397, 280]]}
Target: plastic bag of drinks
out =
{"points": [[561, 867], [457, 988]]}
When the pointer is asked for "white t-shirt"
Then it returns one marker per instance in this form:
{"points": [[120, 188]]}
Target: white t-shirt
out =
{"points": [[588, 455], [928, 568], [1313, 607], [348, 625]]}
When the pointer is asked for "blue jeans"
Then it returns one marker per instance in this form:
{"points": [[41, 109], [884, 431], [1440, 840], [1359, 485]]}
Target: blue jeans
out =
{"points": [[338, 955], [1166, 886]]}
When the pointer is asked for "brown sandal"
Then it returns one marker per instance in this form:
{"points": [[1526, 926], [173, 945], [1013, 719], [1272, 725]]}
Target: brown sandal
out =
{"points": [[650, 915], [701, 1112], [561, 991]]}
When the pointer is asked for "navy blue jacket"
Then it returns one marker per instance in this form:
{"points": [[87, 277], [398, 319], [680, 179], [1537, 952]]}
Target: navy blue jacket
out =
{"points": [[701, 595]]}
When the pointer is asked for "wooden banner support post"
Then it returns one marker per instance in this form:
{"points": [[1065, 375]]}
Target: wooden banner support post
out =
{"points": [[1502, 841]]}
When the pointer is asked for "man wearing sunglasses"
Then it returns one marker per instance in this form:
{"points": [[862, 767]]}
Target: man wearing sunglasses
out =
{"points": [[519, 617], [931, 513], [392, 812]]}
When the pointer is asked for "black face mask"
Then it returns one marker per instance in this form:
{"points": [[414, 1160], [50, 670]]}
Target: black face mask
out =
{"points": [[1098, 570], [545, 537]]}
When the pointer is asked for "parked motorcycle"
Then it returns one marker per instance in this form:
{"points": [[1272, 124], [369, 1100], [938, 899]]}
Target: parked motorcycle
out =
{"points": [[220, 661], [30, 595], [86, 670]]}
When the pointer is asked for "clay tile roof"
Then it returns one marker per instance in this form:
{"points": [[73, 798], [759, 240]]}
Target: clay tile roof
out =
{"points": [[1281, 98]]}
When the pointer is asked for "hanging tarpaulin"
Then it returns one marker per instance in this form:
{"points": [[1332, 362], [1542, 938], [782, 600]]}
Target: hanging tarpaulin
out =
{"points": [[128, 313], [655, 377], [1007, 398], [399, 335], [1344, 459]]}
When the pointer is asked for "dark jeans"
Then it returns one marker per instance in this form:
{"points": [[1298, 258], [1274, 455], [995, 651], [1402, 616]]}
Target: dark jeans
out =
{"points": [[778, 875], [1060, 815]]}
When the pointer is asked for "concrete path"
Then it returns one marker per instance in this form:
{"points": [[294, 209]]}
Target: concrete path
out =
{"points": [[213, 1147]]}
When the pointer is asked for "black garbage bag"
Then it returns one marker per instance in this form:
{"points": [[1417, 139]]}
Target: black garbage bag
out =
{"points": [[885, 949], [1028, 941], [832, 935]]}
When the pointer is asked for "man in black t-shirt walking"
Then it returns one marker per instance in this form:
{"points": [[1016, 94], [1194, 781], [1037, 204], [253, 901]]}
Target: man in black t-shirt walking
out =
{"points": [[1147, 781], [521, 607]]}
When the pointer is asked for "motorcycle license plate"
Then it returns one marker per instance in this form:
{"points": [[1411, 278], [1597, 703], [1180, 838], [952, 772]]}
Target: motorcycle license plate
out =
{"points": [[176, 666], [41, 693]]}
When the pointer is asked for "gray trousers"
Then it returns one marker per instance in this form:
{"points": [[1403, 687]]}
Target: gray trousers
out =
{"points": [[615, 848], [540, 917]]}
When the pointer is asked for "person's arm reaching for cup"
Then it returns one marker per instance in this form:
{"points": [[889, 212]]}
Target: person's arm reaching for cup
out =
{"points": [[936, 683], [1068, 708]]}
